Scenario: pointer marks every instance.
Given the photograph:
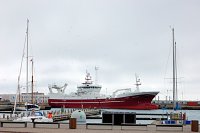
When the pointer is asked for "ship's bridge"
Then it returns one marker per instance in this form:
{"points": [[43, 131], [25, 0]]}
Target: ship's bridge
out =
{"points": [[88, 88]]}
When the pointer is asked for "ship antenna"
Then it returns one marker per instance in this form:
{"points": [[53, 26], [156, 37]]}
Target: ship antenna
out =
{"points": [[96, 74], [138, 83], [88, 78]]}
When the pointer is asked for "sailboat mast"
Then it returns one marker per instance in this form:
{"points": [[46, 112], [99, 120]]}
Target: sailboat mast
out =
{"points": [[174, 71], [27, 61], [32, 84], [176, 78]]}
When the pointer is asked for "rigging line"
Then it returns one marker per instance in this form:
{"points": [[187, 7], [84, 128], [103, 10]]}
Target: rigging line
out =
{"points": [[167, 64], [31, 50], [179, 71], [19, 76], [179, 63], [22, 58]]}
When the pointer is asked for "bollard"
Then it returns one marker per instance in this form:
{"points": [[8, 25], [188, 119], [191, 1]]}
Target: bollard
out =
{"points": [[72, 123]]}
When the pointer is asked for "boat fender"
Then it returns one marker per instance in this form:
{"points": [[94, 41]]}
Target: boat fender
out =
{"points": [[50, 115]]}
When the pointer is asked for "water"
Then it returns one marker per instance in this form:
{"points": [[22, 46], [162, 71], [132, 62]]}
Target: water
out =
{"points": [[190, 114]]}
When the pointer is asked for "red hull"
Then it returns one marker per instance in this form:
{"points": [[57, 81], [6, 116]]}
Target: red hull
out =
{"points": [[137, 102]]}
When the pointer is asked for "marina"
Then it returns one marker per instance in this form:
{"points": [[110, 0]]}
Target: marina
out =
{"points": [[99, 66], [64, 125], [124, 109], [143, 116]]}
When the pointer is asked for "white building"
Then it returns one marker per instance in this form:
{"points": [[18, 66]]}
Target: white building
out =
{"points": [[26, 97]]}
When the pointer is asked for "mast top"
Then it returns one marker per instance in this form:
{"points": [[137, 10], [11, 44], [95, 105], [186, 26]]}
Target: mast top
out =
{"points": [[138, 83]]}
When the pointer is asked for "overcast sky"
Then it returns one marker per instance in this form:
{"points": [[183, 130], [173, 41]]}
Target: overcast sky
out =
{"points": [[121, 37]]}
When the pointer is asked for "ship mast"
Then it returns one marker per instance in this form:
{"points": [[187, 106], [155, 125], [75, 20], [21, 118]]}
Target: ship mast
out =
{"points": [[138, 83], [32, 83], [175, 96], [96, 76], [27, 60]]}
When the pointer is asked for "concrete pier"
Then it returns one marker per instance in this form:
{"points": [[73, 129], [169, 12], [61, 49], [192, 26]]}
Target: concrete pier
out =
{"points": [[64, 128]]}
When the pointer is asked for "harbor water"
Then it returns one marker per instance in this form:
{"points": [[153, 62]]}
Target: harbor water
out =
{"points": [[190, 114]]}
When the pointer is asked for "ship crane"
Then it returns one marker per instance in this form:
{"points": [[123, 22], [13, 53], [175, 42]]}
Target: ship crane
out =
{"points": [[58, 88]]}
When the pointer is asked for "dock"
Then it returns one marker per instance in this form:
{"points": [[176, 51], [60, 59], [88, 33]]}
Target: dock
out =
{"points": [[64, 128], [62, 115], [57, 115]]}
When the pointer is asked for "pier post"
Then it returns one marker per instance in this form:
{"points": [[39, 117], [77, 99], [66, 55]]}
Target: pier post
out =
{"points": [[195, 126], [72, 123]]}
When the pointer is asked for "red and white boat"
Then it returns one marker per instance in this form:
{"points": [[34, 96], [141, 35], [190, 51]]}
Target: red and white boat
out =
{"points": [[88, 96]]}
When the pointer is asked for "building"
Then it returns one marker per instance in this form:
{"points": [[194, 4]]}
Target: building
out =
{"points": [[26, 97]]}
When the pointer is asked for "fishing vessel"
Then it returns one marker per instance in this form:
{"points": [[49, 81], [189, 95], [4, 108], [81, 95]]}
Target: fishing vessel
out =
{"points": [[88, 96]]}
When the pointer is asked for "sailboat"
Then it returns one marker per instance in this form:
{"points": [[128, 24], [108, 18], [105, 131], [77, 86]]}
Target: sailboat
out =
{"points": [[27, 106], [33, 109], [176, 117]]}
